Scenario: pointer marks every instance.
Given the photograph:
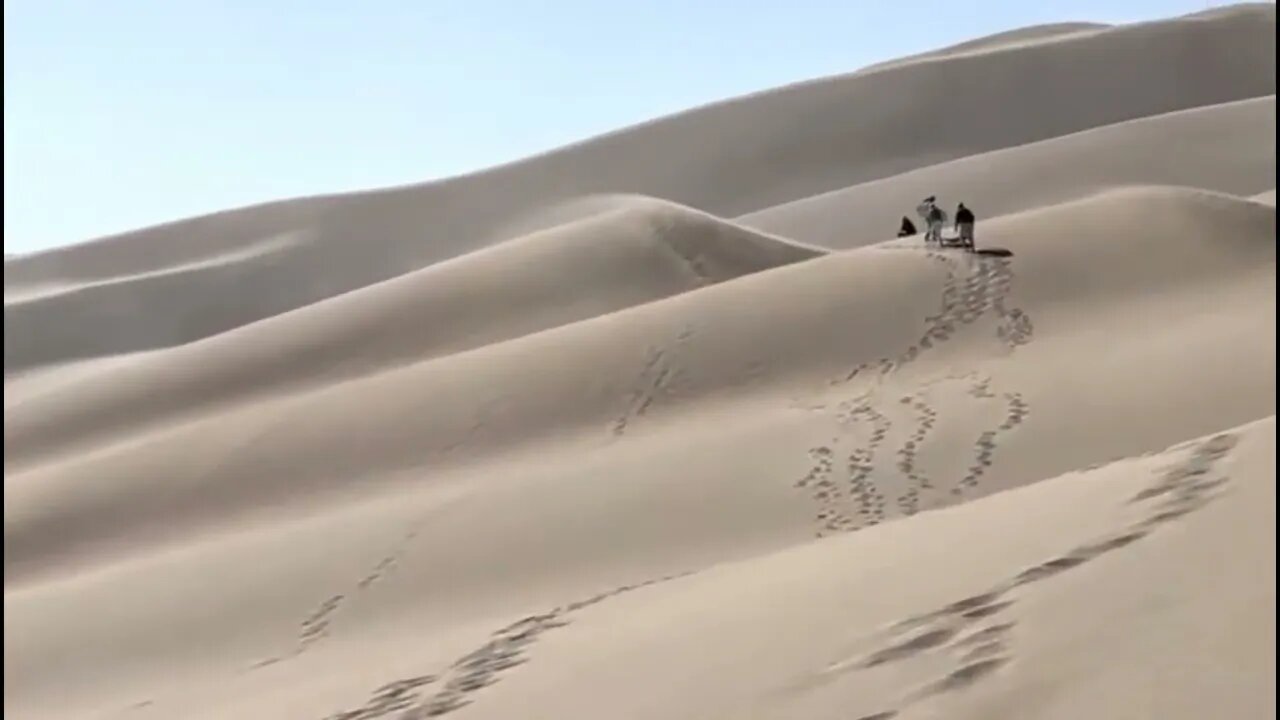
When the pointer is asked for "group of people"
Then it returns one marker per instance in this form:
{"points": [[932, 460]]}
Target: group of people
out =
{"points": [[934, 218]]}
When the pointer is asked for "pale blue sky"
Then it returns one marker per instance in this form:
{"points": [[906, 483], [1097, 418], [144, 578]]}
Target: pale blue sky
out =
{"points": [[121, 114]]}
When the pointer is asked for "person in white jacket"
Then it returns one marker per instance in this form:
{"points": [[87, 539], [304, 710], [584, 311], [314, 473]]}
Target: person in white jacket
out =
{"points": [[934, 219]]}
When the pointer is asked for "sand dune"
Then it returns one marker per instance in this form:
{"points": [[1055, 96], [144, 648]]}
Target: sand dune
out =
{"points": [[729, 159], [1229, 148], [1013, 624], [601, 379], [587, 268], [18, 294], [654, 426], [997, 41]]}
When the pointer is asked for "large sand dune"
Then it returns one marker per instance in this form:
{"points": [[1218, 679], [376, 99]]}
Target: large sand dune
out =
{"points": [[1188, 148], [586, 268], [653, 426], [729, 159]]}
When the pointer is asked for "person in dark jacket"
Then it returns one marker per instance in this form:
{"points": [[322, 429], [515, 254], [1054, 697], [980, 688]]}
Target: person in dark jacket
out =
{"points": [[964, 226], [907, 229]]}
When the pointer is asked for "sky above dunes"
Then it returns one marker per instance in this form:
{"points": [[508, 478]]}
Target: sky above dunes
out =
{"points": [[126, 114]]}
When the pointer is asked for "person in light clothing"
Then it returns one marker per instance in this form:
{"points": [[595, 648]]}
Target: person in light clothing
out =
{"points": [[934, 219]]}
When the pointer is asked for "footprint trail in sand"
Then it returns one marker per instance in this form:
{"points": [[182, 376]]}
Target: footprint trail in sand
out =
{"points": [[975, 632]]}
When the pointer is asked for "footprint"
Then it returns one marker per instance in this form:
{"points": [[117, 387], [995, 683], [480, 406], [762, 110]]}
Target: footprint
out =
{"points": [[983, 611], [981, 389], [914, 646], [1091, 550], [1187, 482], [917, 482], [985, 446], [649, 383], [974, 602], [967, 675], [482, 667], [392, 697], [439, 705], [860, 465], [317, 624], [991, 633], [1048, 569], [824, 492], [991, 649], [1174, 512]]}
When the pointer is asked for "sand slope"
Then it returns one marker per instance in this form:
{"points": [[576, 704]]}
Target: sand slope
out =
{"points": [[729, 159], [1050, 602], [1229, 148], [608, 378], [653, 426], [623, 257]]}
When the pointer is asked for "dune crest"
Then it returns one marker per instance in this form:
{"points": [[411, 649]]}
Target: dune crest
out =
{"points": [[729, 159], [997, 41], [1051, 172]]}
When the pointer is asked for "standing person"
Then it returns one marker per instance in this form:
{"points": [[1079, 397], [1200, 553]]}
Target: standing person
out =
{"points": [[923, 211], [937, 218], [964, 226], [907, 229], [933, 218]]}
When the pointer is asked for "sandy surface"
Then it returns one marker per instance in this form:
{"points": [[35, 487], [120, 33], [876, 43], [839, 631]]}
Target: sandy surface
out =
{"points": [[666, 424]]}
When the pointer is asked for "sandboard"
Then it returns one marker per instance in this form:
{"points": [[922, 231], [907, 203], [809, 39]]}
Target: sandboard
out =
{"points": [[989, 252]]}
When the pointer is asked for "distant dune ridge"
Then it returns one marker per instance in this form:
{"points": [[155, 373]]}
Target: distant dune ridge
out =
{"points": [[1168, 149], [768, 149], [654, 426]]}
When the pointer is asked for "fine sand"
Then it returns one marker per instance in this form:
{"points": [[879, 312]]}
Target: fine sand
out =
{"points": [[668, 424]]}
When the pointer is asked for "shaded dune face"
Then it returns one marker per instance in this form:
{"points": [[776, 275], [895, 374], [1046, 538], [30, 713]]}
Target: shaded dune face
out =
{"points": [[668, 424]]}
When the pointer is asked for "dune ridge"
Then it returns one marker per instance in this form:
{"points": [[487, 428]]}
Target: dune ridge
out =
{"points": [[588, 267], [768, 149], [668, 424], [1169, 149], [443, 411], [1000, 40]]}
